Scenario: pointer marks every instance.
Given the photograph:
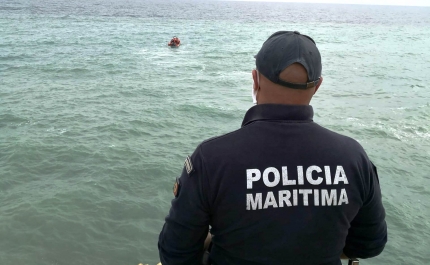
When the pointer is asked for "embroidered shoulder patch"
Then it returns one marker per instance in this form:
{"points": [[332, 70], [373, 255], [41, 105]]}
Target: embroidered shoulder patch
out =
{"points": [[188, 165], [176, 187]]}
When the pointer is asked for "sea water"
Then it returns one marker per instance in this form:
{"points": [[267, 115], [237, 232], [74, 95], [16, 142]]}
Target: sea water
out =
{"points": [[97, 114]]}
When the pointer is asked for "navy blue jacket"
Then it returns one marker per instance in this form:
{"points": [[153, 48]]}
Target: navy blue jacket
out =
{"points": [[280, 190]]}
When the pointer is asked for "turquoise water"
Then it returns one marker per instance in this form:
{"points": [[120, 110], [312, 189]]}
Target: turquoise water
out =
{"points": [[97, 114]]}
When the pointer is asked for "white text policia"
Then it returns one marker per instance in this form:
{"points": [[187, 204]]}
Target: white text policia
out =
{"points": [[295, 197]]}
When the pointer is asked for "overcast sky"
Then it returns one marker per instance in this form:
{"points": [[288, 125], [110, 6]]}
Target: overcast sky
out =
{"points": [[363, 2]]}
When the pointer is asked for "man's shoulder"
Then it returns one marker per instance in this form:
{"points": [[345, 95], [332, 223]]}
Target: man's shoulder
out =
{"points": [[227, 137], [341, 138], [220, 145], [339, 143]]}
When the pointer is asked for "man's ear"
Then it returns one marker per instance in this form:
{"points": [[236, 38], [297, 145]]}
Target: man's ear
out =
{"points": [[319, 83], [255, 78]]}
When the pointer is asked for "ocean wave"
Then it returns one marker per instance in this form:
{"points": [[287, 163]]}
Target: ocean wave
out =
{"points": [[212, 111], [11, 57]]}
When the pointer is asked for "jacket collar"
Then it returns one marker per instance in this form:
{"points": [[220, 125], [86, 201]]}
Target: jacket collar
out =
{"points": [[278, 112]]}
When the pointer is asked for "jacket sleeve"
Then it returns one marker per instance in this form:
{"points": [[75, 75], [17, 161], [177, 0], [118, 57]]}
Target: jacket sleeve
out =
{"points": [[367, 235], [187, 225]]}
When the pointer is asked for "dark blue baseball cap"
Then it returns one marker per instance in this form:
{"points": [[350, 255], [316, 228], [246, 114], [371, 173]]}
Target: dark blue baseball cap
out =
{"points": [[282, 49]]}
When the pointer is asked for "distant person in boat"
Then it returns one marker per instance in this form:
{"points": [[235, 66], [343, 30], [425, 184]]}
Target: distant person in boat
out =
{"points": [[281, 189], [174, 41]]}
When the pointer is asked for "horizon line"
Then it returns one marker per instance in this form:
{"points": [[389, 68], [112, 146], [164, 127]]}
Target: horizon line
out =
{"points": [[329, 3]]}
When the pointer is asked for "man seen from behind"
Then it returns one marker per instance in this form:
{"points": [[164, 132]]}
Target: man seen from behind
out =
{"points": [[281, 189]]}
